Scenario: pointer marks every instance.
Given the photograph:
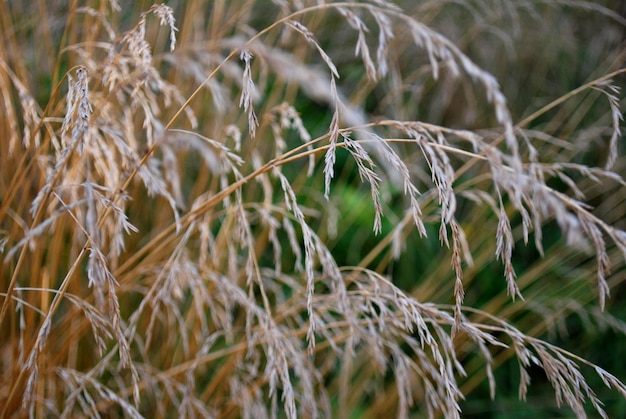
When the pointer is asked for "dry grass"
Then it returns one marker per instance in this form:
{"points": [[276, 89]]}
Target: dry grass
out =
{"points": [[169, 224]]}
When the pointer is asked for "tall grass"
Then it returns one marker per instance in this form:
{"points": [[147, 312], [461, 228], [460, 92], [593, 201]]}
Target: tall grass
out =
{"points": [[295, 208]]}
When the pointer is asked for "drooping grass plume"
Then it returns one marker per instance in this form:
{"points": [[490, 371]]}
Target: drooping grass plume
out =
{"points": [[306, 208]]}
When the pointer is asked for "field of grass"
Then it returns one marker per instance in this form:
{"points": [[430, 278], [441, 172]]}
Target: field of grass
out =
{"points": [[312, 208]]}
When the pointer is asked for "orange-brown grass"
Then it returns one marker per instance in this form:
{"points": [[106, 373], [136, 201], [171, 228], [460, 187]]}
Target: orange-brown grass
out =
{"points": [[173, 195]]}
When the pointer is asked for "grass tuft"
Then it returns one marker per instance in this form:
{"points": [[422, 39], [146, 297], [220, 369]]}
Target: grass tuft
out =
{"points": [[310, 209]]}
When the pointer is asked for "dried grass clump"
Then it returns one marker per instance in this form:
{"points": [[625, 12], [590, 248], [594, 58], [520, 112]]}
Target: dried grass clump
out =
{"points": [[171, 228]]}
